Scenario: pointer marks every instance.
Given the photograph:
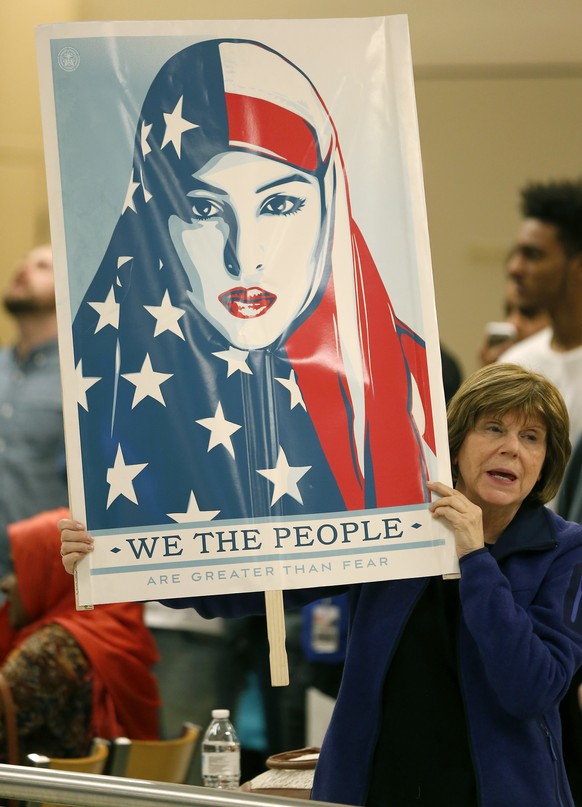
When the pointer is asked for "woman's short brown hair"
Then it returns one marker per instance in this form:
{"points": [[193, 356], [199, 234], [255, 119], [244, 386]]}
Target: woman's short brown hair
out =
{"points": [[501, 388]]}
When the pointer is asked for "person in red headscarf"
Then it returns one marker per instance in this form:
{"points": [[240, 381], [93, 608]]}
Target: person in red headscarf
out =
{"points": [[73, 674]]}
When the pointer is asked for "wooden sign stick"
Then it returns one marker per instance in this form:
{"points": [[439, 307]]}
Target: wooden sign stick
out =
{"points": [[276, 635]]}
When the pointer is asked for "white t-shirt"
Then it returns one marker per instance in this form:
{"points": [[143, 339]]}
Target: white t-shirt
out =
{"points": [[564, 369]]}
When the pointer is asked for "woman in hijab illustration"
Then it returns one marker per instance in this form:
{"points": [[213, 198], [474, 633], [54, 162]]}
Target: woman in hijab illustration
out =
{"points": [[237, 353]]}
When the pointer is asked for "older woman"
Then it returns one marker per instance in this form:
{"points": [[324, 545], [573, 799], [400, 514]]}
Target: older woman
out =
{"points": [[451, 689]]}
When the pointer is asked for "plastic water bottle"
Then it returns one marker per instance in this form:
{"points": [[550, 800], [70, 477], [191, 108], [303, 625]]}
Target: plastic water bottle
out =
{"points": [[221, 753]]}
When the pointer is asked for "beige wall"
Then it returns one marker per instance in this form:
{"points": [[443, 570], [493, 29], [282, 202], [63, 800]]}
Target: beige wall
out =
{"points": [[498, 102], [23, 204], [481, 141]]}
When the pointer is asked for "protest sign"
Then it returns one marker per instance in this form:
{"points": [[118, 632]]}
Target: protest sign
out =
{"points": [[249, 347]]}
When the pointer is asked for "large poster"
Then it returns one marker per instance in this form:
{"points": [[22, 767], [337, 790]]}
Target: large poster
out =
{"points": [[249, 348]]}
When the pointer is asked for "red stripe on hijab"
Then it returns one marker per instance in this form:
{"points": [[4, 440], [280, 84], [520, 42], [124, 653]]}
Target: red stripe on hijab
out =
{"points": [[259, 123], [397, 466]]}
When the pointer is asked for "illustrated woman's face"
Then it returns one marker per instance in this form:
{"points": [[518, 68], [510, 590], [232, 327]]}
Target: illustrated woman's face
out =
{"points": [[251, 248]]}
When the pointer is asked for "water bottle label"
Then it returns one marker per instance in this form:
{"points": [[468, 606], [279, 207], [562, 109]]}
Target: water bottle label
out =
{"points": [[221, 764]]}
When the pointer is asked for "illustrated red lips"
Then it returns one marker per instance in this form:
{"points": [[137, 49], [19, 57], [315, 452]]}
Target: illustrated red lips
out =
{"points": [[247, 303]]}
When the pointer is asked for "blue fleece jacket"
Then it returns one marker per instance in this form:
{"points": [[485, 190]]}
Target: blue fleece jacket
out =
{"points": [[519, 644]]}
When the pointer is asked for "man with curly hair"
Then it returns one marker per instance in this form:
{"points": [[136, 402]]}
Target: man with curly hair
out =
{"points": [[546, 267]]}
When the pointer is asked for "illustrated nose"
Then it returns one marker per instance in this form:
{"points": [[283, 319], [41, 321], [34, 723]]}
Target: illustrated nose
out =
{"points": [[241, 251], [230, 258]]}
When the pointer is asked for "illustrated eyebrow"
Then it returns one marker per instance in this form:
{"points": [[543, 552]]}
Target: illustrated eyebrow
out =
{"points": [[199, 185], [283, 181]]}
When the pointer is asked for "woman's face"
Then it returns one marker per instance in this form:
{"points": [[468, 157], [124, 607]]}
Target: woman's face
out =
{"points": [[251, 249], [501, 460]]}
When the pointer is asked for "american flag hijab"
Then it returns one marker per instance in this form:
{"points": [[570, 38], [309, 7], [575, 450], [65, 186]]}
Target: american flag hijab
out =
{"points": [[178, 424]]}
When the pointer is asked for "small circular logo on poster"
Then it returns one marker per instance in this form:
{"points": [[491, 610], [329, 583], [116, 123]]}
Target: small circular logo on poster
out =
{"points": [[69, 59]]}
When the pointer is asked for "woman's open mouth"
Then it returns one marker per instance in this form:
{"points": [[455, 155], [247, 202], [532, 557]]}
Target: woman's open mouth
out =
{"points": [[247, 303], [503, 476]]}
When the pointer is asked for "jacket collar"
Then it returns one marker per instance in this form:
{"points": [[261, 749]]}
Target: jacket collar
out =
{"points": [[531, 530]]}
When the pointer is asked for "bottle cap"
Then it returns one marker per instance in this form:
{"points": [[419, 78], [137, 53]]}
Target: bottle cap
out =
{"points": [[218, 713]]}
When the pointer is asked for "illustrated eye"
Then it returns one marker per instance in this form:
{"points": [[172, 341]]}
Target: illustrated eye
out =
{"points": [[204, 209], [282, 205]]}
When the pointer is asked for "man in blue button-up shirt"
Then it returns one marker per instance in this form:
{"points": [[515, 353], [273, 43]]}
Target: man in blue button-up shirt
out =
{"points": [[32, 458]]}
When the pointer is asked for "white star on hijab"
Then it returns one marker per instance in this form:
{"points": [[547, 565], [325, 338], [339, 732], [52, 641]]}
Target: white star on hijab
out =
{"points": [[176, 125], [285, 478]]}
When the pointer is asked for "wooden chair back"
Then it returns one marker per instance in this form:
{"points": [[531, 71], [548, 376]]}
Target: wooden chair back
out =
{"points": [[94, 762], [157, 760]]}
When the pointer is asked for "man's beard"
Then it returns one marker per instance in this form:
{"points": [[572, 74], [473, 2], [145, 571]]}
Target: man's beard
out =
{"points": [[27, 305]]}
